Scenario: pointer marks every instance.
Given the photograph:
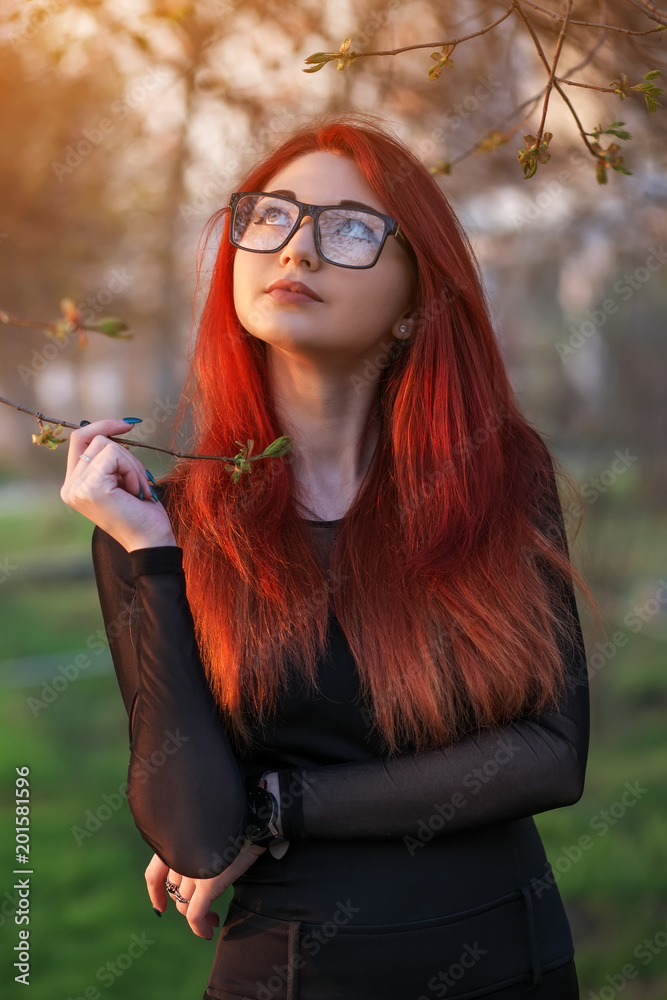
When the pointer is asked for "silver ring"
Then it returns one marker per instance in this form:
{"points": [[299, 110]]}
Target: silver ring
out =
{"points": [[86, 458], [173, 891]]}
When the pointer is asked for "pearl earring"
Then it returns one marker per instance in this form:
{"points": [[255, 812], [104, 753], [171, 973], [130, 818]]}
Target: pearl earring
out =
{"points": [[403, 328]]}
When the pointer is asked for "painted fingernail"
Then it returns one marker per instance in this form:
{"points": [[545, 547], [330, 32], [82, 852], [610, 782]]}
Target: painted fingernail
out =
{"points": [[156, 912], [133, 420], [141, 493], [155, 496], [150, 476], [84, 423]]}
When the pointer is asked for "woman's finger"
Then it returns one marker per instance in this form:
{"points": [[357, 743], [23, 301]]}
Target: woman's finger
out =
{"points": [[87, 442], [106, 491], [156, 874], [186, 888], [198, 912], [199, 915], [80, 438]]}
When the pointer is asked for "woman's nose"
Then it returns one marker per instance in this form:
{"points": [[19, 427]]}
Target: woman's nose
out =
{"points": [[301, 247]]}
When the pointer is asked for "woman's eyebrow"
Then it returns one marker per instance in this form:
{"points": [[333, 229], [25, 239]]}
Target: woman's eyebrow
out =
{"points": [[345, 201]]}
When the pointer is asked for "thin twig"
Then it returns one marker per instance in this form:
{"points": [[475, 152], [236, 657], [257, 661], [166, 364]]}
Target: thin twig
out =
{"points": [[16, 321], [41, 419], [587, 86], [650, 11], [552, 74], [540, 51], [590, 24], [602, 36], [439, 45], [34, 324], [574, 114]]}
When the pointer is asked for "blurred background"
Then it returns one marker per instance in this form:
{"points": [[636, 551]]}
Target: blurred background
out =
{"points": [[125, 125]]}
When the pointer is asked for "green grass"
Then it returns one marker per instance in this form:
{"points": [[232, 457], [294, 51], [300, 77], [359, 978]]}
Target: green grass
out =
{"points": [[88, 899], [88, 894]]}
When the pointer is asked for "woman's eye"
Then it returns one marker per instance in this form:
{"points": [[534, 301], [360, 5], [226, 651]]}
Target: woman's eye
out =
{"points": [[271, 216], [357, 229]]}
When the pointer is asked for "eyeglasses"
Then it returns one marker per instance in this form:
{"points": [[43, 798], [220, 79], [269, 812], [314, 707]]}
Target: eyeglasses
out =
{"points": [[349, 237]]}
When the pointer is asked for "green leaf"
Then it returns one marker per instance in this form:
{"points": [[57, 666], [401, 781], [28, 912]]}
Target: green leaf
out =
{"points": [[600, 172], [652, 73], [112, 327], [619, 133], [621, 170], [278, 447]]}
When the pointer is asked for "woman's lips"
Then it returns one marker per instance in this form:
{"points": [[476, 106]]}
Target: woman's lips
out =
{"points": [[285, 290], [285, 295]]}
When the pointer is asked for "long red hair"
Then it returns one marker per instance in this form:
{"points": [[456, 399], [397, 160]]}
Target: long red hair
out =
{"points": [[445, 575]]}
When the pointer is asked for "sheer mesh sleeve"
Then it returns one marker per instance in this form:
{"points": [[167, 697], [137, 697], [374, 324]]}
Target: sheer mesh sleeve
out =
{"points": [[185, 788], [500, 774]]}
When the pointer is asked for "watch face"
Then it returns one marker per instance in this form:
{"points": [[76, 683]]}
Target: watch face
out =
{"points": [[262, 808]]}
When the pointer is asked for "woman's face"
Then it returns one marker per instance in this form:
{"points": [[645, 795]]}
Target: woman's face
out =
{"points": [[355, 309]]}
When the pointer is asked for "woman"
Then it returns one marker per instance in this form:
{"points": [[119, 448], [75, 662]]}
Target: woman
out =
{"points": [[377, 671]]}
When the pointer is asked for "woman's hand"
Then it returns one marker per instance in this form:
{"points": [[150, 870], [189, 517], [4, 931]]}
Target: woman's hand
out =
{"points": [[200, 892], [106, 488]]}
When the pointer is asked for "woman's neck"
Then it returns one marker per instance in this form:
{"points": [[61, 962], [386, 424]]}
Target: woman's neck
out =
{"points": [[334, 433]]}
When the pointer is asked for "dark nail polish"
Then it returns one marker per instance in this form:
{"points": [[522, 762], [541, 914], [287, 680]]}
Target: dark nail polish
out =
{"points": [[141, 493], [150, 476], [155, 496], [84, 423], [156, 912], [133, 420]]}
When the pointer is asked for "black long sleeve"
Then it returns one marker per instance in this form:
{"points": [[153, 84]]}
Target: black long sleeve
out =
{"points": [[334, 784], [185, 788], [503, 773]]}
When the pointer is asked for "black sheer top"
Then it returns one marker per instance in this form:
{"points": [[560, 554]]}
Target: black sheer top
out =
{"points": [[187, 782]]}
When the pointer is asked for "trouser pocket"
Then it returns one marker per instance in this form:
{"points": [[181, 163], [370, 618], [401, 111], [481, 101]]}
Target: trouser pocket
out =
{"points": [[256, 958]]}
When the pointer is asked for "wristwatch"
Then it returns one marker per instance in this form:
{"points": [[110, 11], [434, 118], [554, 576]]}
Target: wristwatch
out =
{"points": [[263, 812]]}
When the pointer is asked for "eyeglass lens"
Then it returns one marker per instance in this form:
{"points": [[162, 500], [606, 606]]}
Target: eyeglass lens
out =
{"points": [[347, 235]]}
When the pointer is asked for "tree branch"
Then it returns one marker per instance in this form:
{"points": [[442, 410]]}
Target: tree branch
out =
{"points": [[552, 73], [591, 24], [41, 420], [434, 45], [587, 86], [649, 11], [540, 52]]}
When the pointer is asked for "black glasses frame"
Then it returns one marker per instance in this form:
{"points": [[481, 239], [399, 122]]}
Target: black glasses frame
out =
{"points": [[391, 226]]}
